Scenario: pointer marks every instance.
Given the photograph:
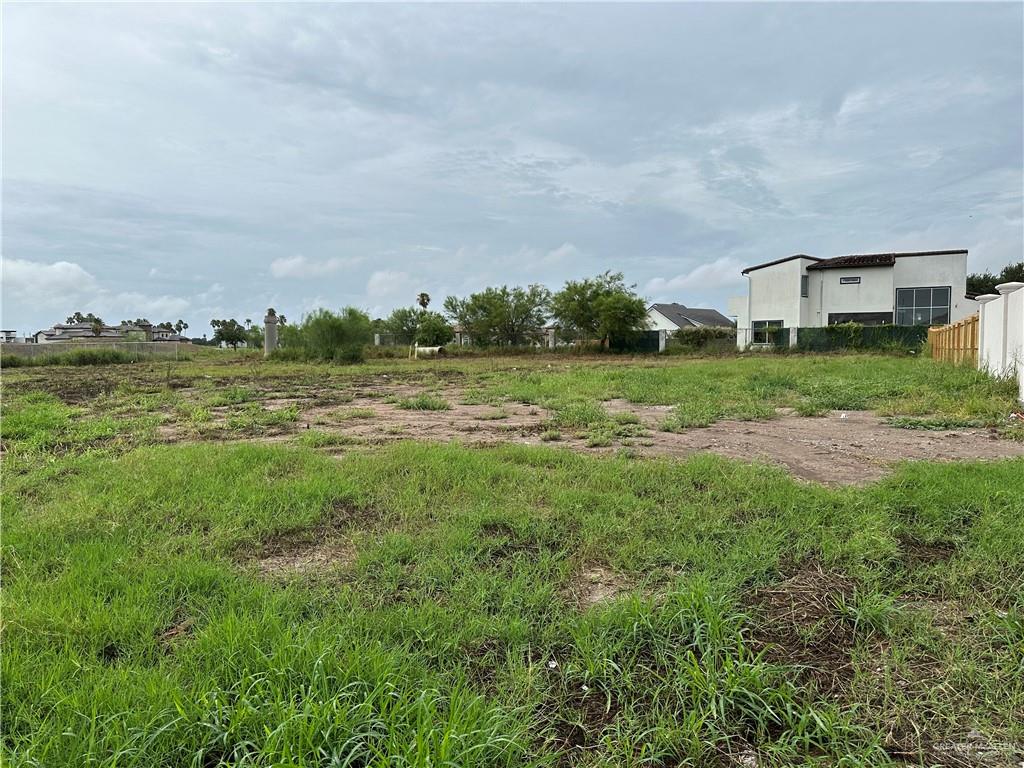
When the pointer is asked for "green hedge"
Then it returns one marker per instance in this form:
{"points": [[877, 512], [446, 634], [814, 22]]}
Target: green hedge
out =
{"points": [[854, 336]]}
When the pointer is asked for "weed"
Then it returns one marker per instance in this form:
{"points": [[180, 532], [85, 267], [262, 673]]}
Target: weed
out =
{"points": [[423, 403]]}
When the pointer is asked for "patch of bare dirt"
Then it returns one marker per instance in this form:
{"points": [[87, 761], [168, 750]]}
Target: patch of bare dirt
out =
{"points": [[594, 585], [918, 553], [970, 750], [324, 547], [797, 623], [849, 448], [301, 558], [176, 632]]}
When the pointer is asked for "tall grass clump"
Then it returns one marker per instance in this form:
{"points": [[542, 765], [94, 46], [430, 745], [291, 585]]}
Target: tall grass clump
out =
{"points": [[73, 357], [327, 336]]}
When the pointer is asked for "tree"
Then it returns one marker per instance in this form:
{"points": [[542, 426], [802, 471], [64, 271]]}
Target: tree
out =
{"points": [[180, 326], [598, 308], [986, 282], [324, 335], [423, 299], [228, 331], [79, 319], [511, 316], [166, 325], [433, 330], [402, 324]]}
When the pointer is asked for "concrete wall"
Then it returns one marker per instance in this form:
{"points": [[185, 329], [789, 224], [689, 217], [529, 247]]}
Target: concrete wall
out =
{"points": [[775, 293], [1001, 333], [874, 292], [934, 272]]}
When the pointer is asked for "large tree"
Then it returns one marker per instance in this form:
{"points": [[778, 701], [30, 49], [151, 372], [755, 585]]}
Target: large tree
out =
{"points": [[402, 324], [986, 282], [433, 330], [502, 316], [231, 332], [598, 308]]}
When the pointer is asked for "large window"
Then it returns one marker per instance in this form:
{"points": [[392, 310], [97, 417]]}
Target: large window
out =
{"points": [[767, 331], [922, 306], [804, 286]]}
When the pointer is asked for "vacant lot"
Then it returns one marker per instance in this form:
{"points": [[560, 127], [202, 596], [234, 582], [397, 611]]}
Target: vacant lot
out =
{"points": [[513, 562]]}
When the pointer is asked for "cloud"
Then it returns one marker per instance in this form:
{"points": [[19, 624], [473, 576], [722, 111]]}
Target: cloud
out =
{"points": [[60, 284], [301, 267], [724, 272], [134, 304], [389, 283], [357, 147]]}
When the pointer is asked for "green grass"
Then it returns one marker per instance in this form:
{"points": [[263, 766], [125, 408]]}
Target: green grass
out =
{"points": [[83, 357], [351, 414], [138, 630], [423, 403]]}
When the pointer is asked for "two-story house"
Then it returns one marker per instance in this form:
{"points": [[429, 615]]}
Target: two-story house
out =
{"points": [[919, 288]]}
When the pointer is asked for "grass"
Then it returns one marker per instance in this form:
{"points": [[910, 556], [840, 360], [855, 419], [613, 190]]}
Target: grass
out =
{"points": [[423, 402], [139, 631], [80, 357]]}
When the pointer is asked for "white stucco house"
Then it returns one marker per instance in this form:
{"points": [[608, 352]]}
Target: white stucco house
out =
{"points": [[919, 288], [673, 317]]}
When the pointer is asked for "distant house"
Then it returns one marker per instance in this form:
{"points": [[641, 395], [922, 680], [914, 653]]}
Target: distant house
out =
{"points": [[8, 337], [917, 288], [674, 317], [76, 332], [84, 332]]}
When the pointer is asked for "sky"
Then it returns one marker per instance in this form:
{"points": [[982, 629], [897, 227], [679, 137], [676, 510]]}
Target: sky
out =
{"points": [[202, 161]]}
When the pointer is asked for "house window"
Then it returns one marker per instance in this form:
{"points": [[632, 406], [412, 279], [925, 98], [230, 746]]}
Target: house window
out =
{"points": [[922, 306], [849, 281], [767, 331], [861, 318], [805, 289]]}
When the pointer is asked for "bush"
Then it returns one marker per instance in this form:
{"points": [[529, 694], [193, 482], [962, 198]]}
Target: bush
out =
{"points": [[853, 336], [703, 340], [327, 336]]}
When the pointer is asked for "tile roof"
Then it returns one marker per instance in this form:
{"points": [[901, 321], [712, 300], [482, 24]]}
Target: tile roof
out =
{"points": [[860, 260], [854, 260]]}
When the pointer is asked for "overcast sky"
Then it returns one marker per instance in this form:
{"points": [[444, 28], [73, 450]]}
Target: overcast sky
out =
{"points": [[203, 161]]}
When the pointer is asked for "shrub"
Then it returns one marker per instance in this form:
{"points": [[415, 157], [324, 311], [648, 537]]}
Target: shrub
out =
{"points": [[325, 335]]}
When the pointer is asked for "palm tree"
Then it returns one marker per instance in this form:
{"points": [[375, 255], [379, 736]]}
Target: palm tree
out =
{"points": [[248, 323], [423, 299]]}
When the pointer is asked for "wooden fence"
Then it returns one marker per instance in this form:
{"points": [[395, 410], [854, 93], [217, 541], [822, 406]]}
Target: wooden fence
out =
{"points": [[955, 343]]}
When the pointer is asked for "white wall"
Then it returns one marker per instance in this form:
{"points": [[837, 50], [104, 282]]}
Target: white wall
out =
{"points": [[658, 322], [934, 272], [874, 292], [1001, 333], [775, 292]]}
